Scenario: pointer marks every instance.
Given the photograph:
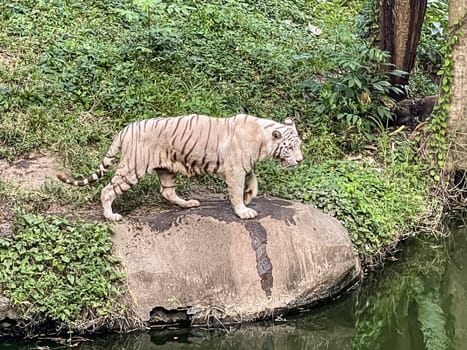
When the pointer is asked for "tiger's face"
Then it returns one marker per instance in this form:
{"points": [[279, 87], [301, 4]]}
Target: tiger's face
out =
{"points": [[288, 150]]}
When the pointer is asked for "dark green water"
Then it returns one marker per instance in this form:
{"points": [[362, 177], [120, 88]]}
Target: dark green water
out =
{"points": [[418, 302]]}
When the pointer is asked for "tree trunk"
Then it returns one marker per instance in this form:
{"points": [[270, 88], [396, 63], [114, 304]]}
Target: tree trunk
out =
{"points": [[457, 119], [400, 26]]}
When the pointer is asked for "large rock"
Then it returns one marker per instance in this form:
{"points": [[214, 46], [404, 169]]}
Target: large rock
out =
{"points": [[204, 265]]}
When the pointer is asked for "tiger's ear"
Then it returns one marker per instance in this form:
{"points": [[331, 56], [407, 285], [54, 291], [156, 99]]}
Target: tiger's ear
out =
{"points": [[276, 134], [289, 121]]}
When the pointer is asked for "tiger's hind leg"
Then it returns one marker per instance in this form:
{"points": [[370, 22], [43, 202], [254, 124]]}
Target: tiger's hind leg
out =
{"points": [[167, 180], [251, 188], [116, 187]]}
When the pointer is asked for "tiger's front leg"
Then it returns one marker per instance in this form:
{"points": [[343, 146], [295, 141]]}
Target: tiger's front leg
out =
{"points": [[236, 183], [251, 189]]}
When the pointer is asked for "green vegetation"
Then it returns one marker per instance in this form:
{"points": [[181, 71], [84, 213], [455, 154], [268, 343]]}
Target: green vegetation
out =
{"points": [[61, 270], [74, 73], [351, 90]]}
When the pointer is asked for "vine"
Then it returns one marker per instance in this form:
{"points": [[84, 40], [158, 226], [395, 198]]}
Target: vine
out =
{"points": [[437, 145]]}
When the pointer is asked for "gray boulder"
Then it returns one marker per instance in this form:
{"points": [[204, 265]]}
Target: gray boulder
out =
{"points": [[205, 266]]}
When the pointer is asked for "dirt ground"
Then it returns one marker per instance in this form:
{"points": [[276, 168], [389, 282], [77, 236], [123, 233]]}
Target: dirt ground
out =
{"points": [[26, 174], [29, 173]]}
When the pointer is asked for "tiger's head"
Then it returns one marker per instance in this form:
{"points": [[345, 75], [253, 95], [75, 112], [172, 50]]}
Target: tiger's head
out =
{"points": [[287, 144]]}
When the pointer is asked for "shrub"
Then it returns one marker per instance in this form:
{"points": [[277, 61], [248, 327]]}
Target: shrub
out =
{"points": [[61, 270], [352, 90]]}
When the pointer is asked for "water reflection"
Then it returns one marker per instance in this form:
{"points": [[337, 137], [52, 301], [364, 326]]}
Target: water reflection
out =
{"points": [[416, 303]]}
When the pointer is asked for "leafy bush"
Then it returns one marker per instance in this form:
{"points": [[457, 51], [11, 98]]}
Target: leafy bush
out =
{"points": [[61, 270], [434, 35], [352, 90]]}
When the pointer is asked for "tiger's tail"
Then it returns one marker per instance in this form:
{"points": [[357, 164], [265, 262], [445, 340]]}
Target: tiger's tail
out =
{"points": [[103, 167]]}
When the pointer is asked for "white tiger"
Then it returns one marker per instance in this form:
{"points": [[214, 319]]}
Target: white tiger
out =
{"points": [[193, 145]]}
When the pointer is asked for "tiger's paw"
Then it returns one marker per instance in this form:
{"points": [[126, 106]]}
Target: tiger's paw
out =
{"points": [[113, 217], [189, 204], [246, 213]]}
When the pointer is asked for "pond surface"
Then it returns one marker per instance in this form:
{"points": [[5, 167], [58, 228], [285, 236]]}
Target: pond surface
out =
{"points": [[416, 303]]}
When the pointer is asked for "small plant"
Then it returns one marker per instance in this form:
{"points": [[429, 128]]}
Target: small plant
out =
{"points": [[61, 270]]}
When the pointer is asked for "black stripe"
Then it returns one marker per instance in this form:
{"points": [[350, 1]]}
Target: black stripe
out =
{"points": [[173, 186], [186, 142], [143, 124], [184, 130], [176, 127], [136, 149], [120, 187], [275, 154], [156, 122], [218, 164], [205, 165], [125, 131], [189, 152], [158, 160], [207, 138], [163, 127], [167, 154]]}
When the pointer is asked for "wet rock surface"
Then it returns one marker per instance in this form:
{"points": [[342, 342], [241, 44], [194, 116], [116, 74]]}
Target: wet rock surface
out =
{"points": [[205, 266]]}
